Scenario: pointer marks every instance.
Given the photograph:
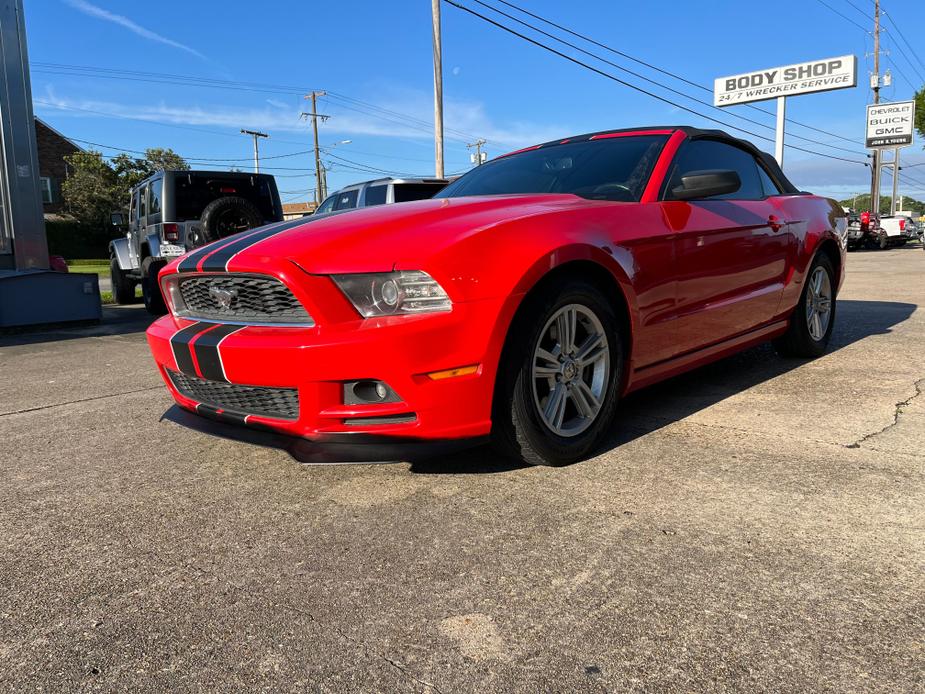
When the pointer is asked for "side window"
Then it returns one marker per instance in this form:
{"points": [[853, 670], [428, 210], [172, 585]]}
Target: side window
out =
{"points": [[142, 206], [767, 185], [327, 205], [154, 201], [375, 195], [704, 155], [133, 208], [346, 200]]}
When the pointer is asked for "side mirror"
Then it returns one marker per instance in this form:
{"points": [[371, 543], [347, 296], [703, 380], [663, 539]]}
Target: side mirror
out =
{"points": [[706, 184], [116, 219]]}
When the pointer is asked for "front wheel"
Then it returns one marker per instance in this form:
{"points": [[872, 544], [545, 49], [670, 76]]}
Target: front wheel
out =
{"points": [[559, 376], [123, 289], [813, 318]]}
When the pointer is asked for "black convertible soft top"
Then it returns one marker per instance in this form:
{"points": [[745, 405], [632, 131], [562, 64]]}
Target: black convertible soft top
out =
{"points": [[769, 162]]}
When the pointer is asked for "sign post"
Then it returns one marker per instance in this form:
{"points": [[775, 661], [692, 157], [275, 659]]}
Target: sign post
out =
{"points": [[788, 80], [889, 126]]}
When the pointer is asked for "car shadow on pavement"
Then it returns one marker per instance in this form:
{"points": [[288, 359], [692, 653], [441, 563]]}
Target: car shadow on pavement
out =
{"points": [[116, 320], [652, 408]]}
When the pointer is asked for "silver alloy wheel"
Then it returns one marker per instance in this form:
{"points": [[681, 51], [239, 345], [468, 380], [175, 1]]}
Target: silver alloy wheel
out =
{"points": [[571, 368], [818, 303]]}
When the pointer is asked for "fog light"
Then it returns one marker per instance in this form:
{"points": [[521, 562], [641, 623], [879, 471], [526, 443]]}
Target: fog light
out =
{"points": [[368, 393]]}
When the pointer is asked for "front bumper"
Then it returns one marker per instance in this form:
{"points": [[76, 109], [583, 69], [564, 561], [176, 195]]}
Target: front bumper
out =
{"points": [[316, 361]]}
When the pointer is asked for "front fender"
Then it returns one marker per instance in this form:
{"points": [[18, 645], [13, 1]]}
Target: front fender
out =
{"points": [[119, 249]]}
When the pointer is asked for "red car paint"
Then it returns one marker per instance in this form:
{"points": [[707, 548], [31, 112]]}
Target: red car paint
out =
{"points": [[700, 281]]}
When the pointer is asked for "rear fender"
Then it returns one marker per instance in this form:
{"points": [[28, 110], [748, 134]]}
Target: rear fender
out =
{"points": [[153, 242]]}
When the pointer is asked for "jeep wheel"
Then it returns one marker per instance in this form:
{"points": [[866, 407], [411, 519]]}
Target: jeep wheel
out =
{"points": [[230, 215], [123, 289], [150, 290], [559, 376]]}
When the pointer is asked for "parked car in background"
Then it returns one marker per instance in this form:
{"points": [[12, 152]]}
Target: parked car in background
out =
{"points": [[172, 212], [521, 304], [897, 230], [382, 191]]}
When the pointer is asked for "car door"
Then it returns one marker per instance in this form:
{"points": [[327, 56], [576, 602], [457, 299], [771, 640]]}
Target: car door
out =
{"points": [[134, 227], [730, 251]]}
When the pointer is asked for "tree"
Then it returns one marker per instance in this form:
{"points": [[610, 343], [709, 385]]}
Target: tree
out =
{"points": [[91, 188], [94, 189], [160, 159]]}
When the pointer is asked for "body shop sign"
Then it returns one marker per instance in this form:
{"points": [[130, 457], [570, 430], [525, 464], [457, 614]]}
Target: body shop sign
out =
{"points": [[890, 125], [789, 80]]}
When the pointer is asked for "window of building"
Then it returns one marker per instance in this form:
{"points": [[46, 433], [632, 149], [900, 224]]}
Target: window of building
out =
{"points": [[48, 195]]}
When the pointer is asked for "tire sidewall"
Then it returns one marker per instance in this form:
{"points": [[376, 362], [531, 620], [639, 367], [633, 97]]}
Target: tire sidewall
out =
{"points": [[533, 438], [816, 347], [215, 209]]}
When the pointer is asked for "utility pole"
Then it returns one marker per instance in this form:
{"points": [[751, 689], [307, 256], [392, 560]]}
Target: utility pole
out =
{"points": [[875, 85], [895, 181], [320, 192], [438, 88], [478, 158], [255, 134]]}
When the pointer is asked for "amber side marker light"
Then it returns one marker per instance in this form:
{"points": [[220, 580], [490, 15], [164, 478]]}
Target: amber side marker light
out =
{"points": [[453, 373]]}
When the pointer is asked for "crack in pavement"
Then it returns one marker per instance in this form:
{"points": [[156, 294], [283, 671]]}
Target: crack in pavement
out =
{"points": [[898, 410], [79, 400]]}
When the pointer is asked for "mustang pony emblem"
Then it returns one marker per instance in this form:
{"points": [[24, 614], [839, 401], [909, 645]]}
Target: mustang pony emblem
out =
{"points": [[223, 297]]}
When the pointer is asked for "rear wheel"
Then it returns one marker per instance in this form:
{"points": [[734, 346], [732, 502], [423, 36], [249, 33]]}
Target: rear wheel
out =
{"points": [[123, 289], [558, 379], [883, 241], [150, 290], [814, 316]]}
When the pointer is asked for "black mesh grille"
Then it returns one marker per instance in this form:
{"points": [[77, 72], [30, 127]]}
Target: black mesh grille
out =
{"points": [[278, 403], [241, 298]]}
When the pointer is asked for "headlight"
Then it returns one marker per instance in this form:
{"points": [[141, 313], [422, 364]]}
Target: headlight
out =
{"points": [[393, 293]]}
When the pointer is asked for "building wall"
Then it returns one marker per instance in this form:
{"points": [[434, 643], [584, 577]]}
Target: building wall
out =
{"points": [[52, 148]]}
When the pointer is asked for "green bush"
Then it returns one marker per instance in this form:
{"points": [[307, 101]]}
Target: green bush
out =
{"points": [[72, 239]]}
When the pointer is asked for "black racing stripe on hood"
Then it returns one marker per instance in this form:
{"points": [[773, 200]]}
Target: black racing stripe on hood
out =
{"points": [[191, 262], [217, 261]]}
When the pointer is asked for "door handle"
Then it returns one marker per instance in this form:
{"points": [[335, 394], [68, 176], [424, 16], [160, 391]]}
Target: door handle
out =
{"points": [[776, 222]]}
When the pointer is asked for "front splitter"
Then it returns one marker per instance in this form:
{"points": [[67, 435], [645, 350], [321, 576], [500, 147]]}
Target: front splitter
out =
{"points": [[332, 449]]}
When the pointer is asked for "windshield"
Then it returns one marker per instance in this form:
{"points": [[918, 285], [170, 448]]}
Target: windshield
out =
{"points": [[613, 168]]}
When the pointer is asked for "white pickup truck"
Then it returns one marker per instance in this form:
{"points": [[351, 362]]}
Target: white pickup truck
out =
{"points": [[897, 230]]}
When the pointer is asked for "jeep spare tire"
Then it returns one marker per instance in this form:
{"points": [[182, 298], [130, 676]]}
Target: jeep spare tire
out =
{"points": [[230, 215]]}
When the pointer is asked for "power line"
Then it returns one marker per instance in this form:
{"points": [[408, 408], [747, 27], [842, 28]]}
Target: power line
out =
{"points": [[908, 44], [651, 81], [668, 73], [844, 16], [633, 86]]}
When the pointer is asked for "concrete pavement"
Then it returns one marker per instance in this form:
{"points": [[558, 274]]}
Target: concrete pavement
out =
{"points": [[757, 525]]}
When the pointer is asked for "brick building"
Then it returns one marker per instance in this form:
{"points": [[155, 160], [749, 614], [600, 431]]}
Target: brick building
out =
{"points": [[52, 148]]}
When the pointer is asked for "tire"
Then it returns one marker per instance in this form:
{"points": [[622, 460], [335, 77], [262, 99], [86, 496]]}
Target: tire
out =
{"points": [[123, 289], [883, 242], [803, 339], [229, 215], [520, 429], [150, 289]]}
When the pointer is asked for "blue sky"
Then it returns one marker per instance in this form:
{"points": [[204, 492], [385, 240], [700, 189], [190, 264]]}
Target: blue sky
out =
{"points": [[375, 60]]}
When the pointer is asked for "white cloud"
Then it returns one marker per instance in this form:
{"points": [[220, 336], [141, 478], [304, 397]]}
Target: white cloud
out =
{"points": [[123, 21], [463, 121]]}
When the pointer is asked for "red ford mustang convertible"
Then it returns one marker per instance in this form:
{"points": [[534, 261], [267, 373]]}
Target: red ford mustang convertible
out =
{"points": [[521, 303]]}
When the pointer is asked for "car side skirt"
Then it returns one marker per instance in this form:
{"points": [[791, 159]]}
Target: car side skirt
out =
{"points": [[653, 373]]}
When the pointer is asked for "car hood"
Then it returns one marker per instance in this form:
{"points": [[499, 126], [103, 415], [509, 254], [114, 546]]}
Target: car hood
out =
{"points": [[376, 239]]}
